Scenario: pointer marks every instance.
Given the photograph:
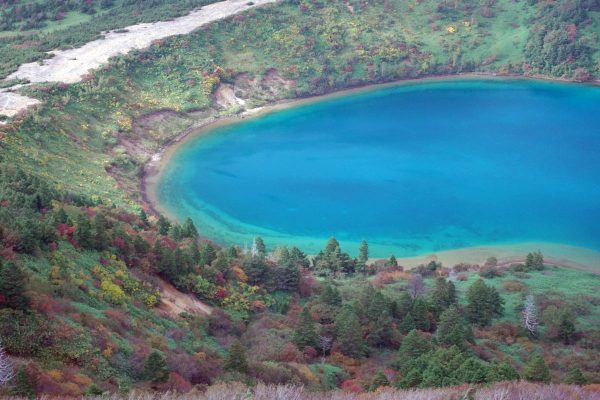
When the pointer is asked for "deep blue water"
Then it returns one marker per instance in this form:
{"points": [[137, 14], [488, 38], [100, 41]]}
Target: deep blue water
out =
{"points": [[418, 168]]}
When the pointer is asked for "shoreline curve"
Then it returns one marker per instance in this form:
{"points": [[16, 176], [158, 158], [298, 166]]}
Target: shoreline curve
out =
{"points": [[564, 255]]}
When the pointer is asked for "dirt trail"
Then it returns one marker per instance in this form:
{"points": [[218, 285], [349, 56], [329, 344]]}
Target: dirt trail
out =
{"points": [[71, 65]]}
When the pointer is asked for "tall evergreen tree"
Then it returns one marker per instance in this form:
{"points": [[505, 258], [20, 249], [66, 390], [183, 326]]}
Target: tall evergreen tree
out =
{"points": [[566, 325], [163, 225], [100, 237], [378, 381], [420, 314], [407, 324], [236, 359], [12, 287], [537, 370], [500, 372], [259, 247], [484, 303], [305, 333], [207, 254], [156, 369], [24, 385], [451, 329], [413, 346], [381, 331], [144, 217], [188, 229], [393, 262], [575, 377], [330, 295], [349, 333], [363, 257], [83, 231]]}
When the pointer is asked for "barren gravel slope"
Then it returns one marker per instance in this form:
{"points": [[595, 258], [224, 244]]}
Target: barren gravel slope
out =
{"points": [[71, 65]]}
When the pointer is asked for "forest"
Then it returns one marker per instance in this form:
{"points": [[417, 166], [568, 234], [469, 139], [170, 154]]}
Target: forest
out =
{"points": [[81, 309], [89, 273]]}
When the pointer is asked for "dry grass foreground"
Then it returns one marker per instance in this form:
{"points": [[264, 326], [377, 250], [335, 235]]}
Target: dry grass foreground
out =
{"points": [[499, 391], [69, 66]]}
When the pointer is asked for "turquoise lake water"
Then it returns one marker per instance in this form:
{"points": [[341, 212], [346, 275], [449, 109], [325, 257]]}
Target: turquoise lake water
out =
{"points": [[412, 169]]}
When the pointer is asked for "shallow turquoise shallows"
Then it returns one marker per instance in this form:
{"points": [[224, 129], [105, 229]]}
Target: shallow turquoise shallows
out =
{"points": [[412, 169]]}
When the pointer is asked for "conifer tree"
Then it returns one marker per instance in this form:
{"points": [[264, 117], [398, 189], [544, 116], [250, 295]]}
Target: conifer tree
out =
{"points": [[330, 295], [421, 314], [451, 329], [12, 287], [188, 229], [156, 369], [100, 237], [306, 334], [331, 246], [24, 385], [500, 372], [83, 231], [144, 217], [393, 262], [484, 303], [207, 254], [407, 324], [566, 325], [363, 257], [288, 276], [413, 346], [163, 225], [537, 370], [405, 303], [61, 216], [575, 377], [259, 247], [380, 331], [349, 333], [236, 359], [378, 381]]}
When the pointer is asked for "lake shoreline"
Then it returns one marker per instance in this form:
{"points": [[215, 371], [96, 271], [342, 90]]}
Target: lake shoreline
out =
{"points": [[153, 168]]}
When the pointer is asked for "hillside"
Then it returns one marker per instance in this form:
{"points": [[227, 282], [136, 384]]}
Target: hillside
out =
{"points": [[99, 293]]}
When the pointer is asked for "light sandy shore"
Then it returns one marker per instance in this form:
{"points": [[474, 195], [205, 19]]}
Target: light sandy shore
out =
{"points": [[71, 65], [554, 253]]}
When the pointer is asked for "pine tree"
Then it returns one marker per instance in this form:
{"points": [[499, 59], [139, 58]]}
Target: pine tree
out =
{"points": [[393, 262], [451, 329], [413, 346], [288, 276], [575, 377], [163, 225], [260, 247], [331, 246], [144, 217], [156, 369], [207, 254], [500, 372], [421, 314], [306, 334], [378, 380], [441, 296], [381, 332], [566, 325], [236, 359], [188, 229], [24, 385], [537, 370], [363, 257], [407, 324], [61, 216], [349, 333], [12, 287], [83, 231], [100, 237], [484, 303], [330, 295]]}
